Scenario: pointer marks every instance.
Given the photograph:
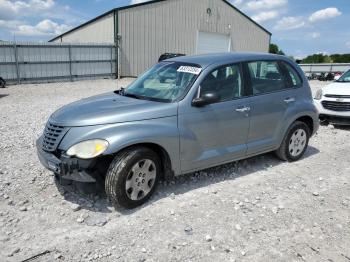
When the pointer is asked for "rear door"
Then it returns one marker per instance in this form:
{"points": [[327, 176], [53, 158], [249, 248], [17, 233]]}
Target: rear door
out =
{"points": [[272, 96]]}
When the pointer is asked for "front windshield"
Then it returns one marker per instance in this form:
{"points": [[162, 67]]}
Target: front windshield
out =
{"points": [[345, 77], [165, 82]]}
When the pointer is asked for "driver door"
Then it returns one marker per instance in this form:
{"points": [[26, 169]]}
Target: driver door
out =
{"points": [[216, 133]]}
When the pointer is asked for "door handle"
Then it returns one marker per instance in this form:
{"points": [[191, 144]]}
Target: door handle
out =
{"points": [[289, 100], [243, 109]]}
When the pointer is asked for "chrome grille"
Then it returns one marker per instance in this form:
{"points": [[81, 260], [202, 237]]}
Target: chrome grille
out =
{"points": [[336, 106], [337, 96], [53, 134]]}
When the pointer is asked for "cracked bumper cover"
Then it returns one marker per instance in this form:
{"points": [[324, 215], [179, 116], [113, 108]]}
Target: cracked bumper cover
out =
{"points": [[65, 167]]}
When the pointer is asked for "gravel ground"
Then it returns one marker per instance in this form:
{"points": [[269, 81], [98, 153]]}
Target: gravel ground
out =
{"points": [[260, 209]]}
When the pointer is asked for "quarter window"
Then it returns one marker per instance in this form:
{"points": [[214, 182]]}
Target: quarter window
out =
{"points": [[225, 81], [294, 77], [266, 77]]}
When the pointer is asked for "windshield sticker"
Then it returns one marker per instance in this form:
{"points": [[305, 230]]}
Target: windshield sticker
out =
{"points": [[190, 69]]}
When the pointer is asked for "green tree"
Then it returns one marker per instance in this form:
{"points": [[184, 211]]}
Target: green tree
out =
{"points": [[274, 49], [280, 52], [327, 59], [314, 59], [340, 58], [321, 58]]}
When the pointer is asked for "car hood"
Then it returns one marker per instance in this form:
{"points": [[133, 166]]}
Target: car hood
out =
{"points": [[337, 89], [110, 108]]}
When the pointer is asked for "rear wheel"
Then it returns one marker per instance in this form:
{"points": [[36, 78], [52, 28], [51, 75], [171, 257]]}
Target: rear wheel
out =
{"points": [[295, 142], [132, 177]]}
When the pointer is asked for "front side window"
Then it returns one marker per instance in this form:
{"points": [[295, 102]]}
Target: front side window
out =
{"points": [[225, 81], [165, 82], [266, 77]]}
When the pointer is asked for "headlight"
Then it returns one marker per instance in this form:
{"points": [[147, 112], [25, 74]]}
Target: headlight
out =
{"points": [[88, 149], [319, 94]]}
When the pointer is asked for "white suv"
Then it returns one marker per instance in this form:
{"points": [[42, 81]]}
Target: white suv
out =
{"points": [[333, 101]]}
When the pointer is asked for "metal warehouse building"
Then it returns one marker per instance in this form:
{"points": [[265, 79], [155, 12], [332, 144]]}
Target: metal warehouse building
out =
{"points": [[143, 32]]}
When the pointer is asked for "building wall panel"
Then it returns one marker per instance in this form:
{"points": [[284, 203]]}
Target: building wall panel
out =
{"points": [[99, 31], [172, 26]]}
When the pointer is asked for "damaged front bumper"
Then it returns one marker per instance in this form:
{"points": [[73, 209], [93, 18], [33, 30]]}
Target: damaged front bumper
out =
{"points": [[65, 167]]}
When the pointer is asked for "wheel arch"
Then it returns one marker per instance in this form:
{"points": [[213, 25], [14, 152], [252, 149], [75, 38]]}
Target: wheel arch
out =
{"points": [[167, 171], [166, 163], [302, 117], [308, 121]]}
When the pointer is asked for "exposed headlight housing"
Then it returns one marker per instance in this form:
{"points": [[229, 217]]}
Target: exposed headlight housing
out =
{"points": [[319, 94], [88, 149]]}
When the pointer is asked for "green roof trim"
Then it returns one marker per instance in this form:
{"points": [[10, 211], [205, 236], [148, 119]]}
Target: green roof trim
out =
{"points": [[113, 11]]}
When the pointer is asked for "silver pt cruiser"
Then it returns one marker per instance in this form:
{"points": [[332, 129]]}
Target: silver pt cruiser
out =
{"points": [[184, 114]]}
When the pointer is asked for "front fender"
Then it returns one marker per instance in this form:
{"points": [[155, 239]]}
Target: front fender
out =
{"points": [[161, 131]]}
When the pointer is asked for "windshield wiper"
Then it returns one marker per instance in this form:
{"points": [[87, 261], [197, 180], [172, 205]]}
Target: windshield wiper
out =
{"points": [[132, 96], [121, 91]]}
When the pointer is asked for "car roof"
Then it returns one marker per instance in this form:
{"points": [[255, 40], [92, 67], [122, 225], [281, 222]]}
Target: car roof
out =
{"points": [[224, 58]]}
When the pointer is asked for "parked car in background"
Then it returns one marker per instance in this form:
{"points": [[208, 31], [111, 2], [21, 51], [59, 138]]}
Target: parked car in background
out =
{"points": [[337, 75], [183, 115], [2, 83], [312, 76], [168, 56], [321, 77], [333, 101], [326, 77], [330, 76]]}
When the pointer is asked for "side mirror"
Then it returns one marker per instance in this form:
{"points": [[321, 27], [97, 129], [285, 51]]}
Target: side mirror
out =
{"points": [[206, 99]]}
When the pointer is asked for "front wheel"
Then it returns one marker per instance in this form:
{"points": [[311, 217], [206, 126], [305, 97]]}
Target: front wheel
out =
{"points": [[295, 142], [132, 177]]}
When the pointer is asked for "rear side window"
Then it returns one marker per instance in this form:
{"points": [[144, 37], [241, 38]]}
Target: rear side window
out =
{"points": [[266, 77], [294, 78]]}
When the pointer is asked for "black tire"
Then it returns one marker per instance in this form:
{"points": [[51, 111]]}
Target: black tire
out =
{"points": [[119, 171], [2, 83], [283, 152]]}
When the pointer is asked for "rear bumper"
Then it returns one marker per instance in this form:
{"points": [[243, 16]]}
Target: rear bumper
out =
{"points": [[65, 167]]}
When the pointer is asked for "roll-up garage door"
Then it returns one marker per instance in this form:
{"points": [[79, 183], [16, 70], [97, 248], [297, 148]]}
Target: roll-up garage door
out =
{"points": [[213, 43]]}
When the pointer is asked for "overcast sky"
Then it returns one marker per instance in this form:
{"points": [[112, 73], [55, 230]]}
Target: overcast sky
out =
{"points": [[299, 27]]}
